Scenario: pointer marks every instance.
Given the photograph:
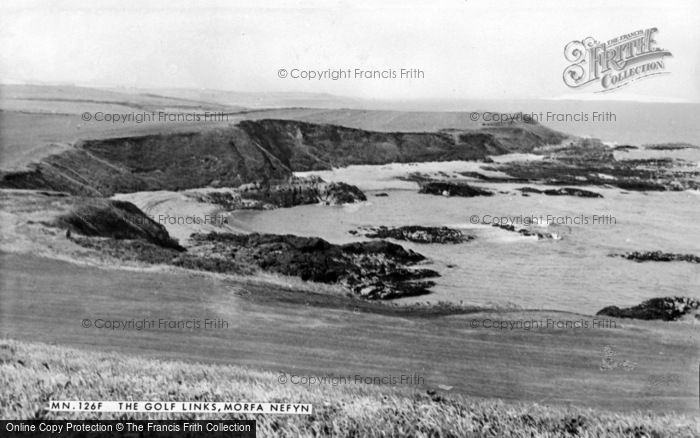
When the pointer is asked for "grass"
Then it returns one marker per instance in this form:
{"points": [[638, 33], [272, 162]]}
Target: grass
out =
{"points": [[282, 325], [31, 374]]}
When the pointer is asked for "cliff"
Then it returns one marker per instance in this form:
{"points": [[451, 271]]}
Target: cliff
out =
{"points": [[254, 151]]}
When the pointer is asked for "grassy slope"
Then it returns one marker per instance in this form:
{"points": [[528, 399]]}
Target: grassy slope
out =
{"points": [[272, 328], [36, 121], [36, 373]]}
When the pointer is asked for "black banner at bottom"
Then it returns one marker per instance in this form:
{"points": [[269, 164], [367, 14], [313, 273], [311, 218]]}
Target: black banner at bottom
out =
{"points": [[128, 428]]}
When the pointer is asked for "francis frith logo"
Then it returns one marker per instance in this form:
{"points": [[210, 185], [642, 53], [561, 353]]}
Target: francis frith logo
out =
{"points": [[614, 63]]}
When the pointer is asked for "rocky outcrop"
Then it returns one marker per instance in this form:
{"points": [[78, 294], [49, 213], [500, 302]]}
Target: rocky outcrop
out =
{"points": [[115, 219], [658, 256], [296, 191], [263, 151], [563, 191], [318, 146], [372, 270], [415, 233], [664, 309], [669, 146], [445, 188], [625, 147], [589, 162], [223, 157], [527, 232], [338, 193]]}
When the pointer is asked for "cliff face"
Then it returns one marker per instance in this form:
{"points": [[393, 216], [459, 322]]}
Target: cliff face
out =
{"points": [[310, 146], [217, 158], [264, 150]]}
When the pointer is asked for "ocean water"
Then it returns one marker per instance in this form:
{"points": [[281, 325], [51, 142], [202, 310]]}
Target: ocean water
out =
{"points": [[503, 268], [625, 122]]}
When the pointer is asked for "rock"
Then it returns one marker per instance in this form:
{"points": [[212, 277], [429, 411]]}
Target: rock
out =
{"points": [[417, 234], [296, 191], [373, 270], [527, 232], [563, 191], [589, 162], [658, 256], [342, 193], [664, 309], [444, 188], [670, 146], [625, 148]]}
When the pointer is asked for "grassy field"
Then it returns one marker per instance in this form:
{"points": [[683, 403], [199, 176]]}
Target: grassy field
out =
{"points": [[277, 327], [31, 374]]}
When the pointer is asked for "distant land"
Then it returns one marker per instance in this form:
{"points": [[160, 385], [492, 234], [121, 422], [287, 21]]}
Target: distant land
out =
{"points": [[635, 122]]}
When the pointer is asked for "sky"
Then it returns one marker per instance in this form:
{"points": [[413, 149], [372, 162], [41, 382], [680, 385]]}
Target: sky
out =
{"points": [[466, 49]]}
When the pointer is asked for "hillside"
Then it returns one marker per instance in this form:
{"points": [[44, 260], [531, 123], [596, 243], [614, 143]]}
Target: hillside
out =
{"points": [[253, 151], [347, 409]]}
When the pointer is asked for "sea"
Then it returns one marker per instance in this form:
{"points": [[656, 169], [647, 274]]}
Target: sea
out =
{"points": [[500, 268]]}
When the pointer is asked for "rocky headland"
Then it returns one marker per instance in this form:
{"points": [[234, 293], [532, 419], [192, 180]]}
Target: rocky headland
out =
{"points": [[296, 191], [371, 270], [261, 151], [663, 309], [590, 162], [375, 270], [657, 256]]}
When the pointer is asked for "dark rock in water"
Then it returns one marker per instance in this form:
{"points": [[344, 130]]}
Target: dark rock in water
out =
{"points": [[494, 179], [529, 190], [296, 191], [373, 270], [625, 147], [669, 146], [390, 250], [452, 189], [417, 234], [563, 191], [527, 232], [116, 219], [589, 162], [658, 256], [342, 193], [381, 195], [664, 309]]}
